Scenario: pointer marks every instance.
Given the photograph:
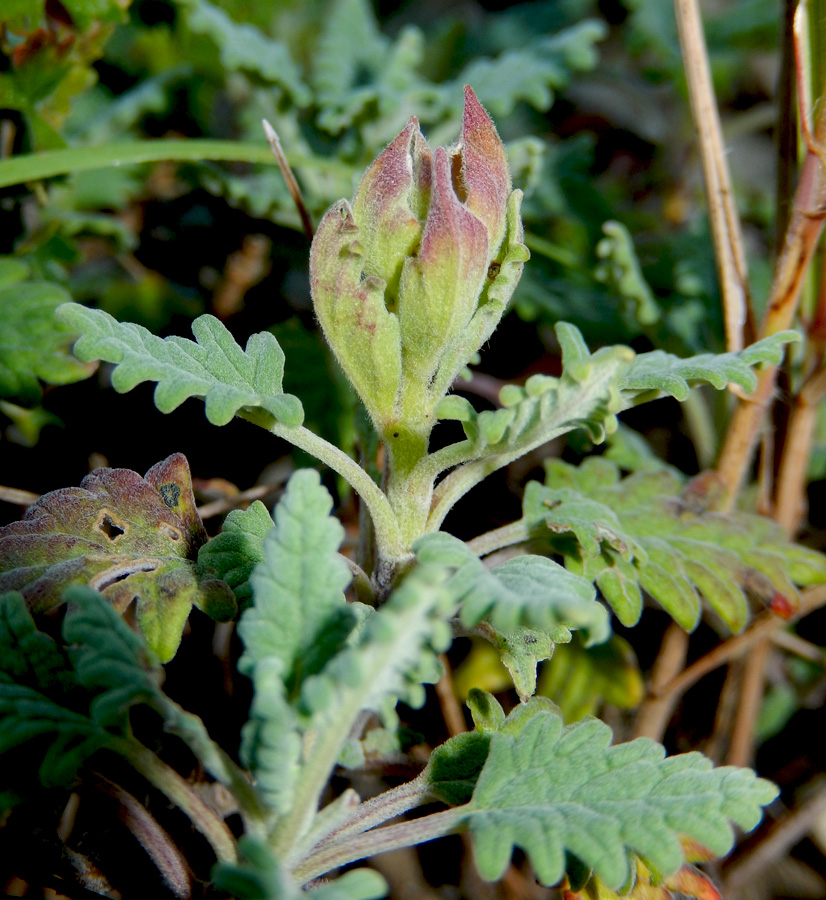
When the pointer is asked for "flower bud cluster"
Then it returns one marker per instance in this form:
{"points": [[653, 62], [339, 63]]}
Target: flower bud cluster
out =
{"points": [[399, 277]]}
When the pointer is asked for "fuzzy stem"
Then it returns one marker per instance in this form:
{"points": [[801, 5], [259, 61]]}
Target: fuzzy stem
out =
{"points": [[388, 535], [392, 837], [380, 809], [506, 536], [170, 783]]}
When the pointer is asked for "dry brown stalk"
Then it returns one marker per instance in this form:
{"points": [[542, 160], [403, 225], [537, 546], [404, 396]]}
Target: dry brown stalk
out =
{"points": [[725, 223], [741, 746], [656, 709], [803, 233]]}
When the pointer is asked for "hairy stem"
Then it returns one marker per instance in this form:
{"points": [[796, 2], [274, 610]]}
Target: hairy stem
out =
{"points": [[380, 809], [170, 783], [392, 837], [388, 535], [506, 536]]}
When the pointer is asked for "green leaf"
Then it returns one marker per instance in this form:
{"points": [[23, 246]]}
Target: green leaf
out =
{"points": [[215, 368], [350, 59], [650, 532], [553, 790], [533, 72], [133, 539], [110, 660], [40, 692], [234, 553], [34, 346], [620, 269], [243, 47], [454, 767], [580, 679], [299, 620], [666, 374], [526, 591]]}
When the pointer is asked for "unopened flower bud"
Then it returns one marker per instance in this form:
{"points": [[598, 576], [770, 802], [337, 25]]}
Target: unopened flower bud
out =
{"points": [[397, 279]]}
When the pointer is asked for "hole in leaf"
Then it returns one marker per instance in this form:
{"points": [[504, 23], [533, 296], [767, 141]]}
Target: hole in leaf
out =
{"points": [[109, 525]]}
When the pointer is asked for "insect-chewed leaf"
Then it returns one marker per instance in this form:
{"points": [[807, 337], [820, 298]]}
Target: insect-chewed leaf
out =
{"points": [[132, 539], [34, 346], [651, 532], [554, 790], [215, 368]]}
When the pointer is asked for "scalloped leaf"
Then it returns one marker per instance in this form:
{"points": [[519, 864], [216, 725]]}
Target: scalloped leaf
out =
{"points": [[243, 47], [667, 374], [594, 388], [529, 591], [585, 396], [34, 346], [215, 368], [235, 552], [554, 790], [300, 618], [651, 532], [132, 539]]}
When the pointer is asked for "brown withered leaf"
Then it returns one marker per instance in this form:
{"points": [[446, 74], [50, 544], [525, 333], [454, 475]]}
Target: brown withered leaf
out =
{"points": [[133, 539]]}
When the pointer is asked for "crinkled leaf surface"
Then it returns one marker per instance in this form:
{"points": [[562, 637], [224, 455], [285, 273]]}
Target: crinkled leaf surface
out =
{"points": [[592, 390], [299, 620], [300, 616], [213, 367], [235, 552], [553, 790], [133, 539], [34, 346], [79, 702], [523, 607], [650, 532], [524, 591], [667, 374]]}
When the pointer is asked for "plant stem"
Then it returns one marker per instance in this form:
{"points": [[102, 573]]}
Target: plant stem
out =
{"points": [[388, 535], [380, 809], [392, 837], [805, 227], [170, 783], [34, 166], [506, 536]]}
